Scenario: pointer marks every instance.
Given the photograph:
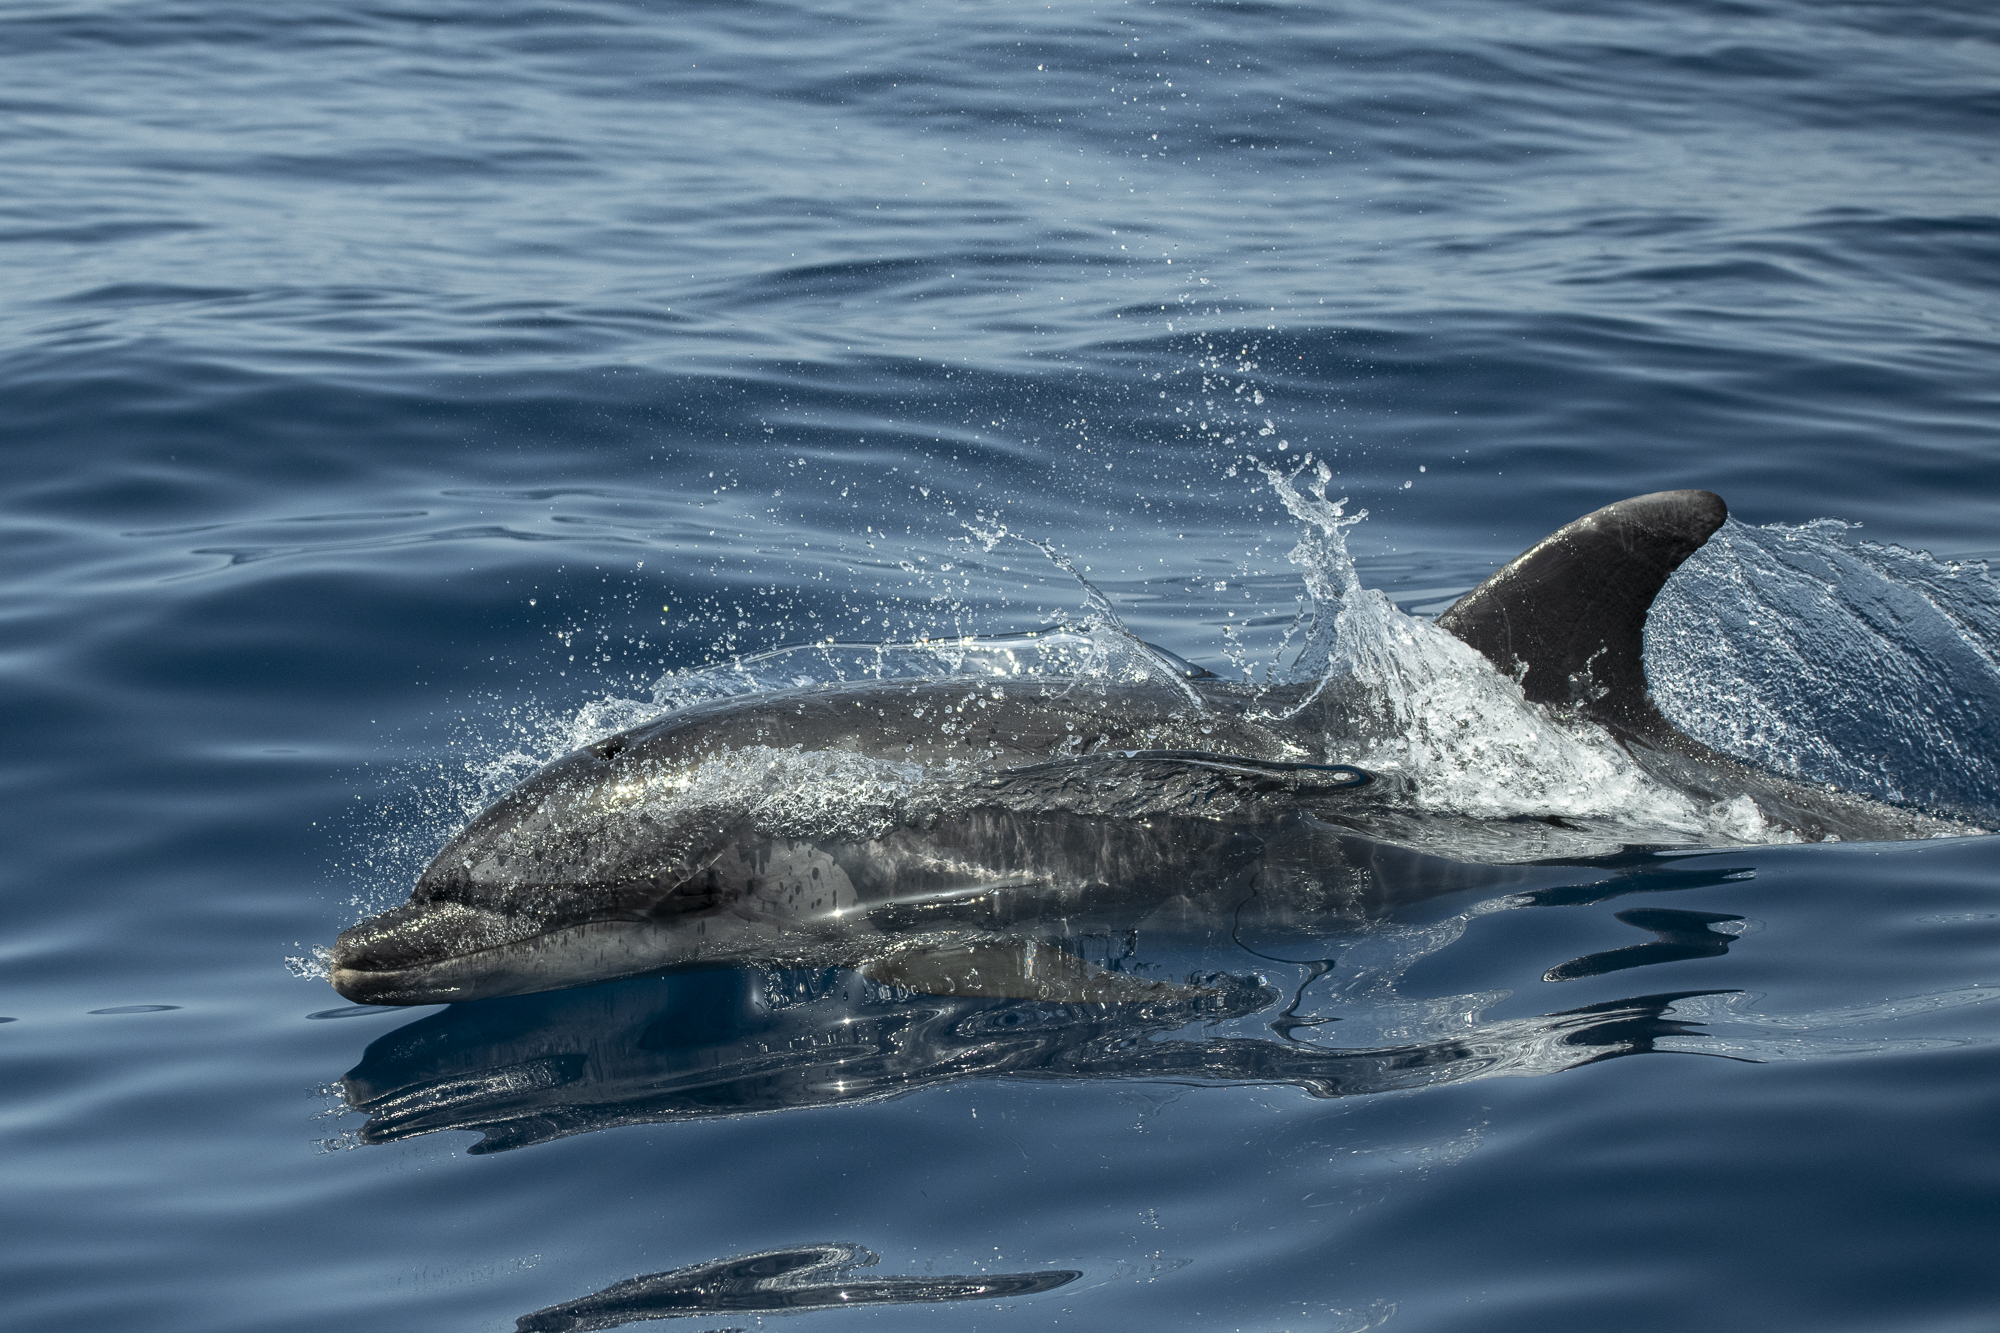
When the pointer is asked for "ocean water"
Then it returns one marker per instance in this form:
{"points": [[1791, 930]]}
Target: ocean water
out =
{"points": [[396, 395]]}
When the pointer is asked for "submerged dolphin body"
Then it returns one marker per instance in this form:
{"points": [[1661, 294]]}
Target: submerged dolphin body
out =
{"points": [[938, 834]]}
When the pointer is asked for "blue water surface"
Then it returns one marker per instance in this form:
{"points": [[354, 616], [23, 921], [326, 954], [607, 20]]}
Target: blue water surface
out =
{"points": [[384, 387]]}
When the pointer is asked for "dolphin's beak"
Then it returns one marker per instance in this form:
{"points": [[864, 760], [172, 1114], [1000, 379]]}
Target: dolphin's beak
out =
{"points": [[420, 953], [445, 952], [372, 986]]}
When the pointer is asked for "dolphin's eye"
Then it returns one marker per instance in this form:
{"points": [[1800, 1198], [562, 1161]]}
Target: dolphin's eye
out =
{"points": [[609, 749]]}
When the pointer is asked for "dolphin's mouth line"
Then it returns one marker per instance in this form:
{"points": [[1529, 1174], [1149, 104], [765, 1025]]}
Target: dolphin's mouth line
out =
{"points": [[382, 979]]}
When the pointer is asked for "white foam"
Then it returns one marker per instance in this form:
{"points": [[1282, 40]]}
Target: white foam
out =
{"points": [[1462, 733]]}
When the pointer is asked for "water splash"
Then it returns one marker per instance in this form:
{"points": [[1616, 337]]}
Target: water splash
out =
{"points": [[1122, 655], [790, 792], [1331, 581], [1055, 651], [1440, 715], [1116, 653]]}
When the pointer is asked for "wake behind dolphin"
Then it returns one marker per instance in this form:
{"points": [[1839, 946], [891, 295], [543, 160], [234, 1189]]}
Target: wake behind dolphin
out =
{"points": [[945, 834]]}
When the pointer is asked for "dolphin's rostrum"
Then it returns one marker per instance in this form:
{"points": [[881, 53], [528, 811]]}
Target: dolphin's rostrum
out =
{"points": [[938, 834]]}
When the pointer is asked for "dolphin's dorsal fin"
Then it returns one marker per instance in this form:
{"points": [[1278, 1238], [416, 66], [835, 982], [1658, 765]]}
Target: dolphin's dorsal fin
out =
{"points": [[1568, 617]]}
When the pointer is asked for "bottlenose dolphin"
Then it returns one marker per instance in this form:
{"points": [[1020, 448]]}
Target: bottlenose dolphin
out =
{"points": [[938, 834]]}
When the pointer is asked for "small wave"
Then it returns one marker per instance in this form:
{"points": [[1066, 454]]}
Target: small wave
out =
{"points": [[1871, 667], [1737, 1029]]}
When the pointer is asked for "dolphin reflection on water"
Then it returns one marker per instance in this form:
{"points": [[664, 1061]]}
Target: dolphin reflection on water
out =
{"points": [[531, 1069]]}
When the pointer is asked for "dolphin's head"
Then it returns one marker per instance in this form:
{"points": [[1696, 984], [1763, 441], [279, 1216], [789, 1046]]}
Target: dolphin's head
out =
{"points": [[648, 850], [581, 873]]}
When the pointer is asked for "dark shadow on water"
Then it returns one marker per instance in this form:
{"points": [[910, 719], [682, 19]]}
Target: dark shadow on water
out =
{"points": [[805, 1277], [1638, 871], [1682, 935], [530, 1069]]}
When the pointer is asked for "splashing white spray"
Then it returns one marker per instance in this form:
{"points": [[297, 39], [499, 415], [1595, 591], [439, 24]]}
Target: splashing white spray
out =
{"points": [[1463, 733]]}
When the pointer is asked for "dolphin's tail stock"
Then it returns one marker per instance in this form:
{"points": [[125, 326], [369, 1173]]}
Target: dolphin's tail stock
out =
{"points": [[1567, 619]]}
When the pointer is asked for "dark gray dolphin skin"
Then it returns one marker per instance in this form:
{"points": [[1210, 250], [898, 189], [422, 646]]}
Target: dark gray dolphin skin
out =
{"points": [[779, 830]]}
